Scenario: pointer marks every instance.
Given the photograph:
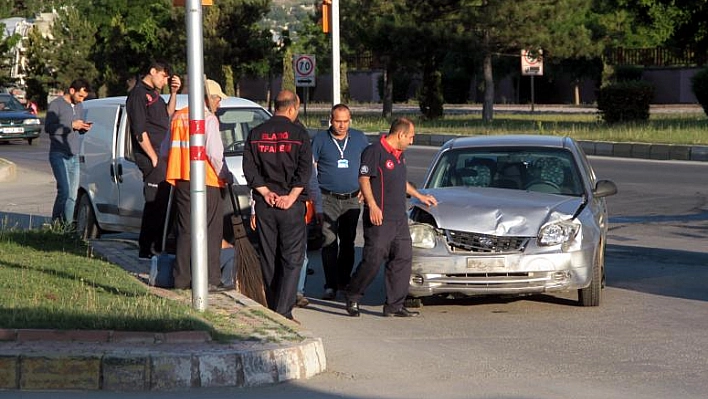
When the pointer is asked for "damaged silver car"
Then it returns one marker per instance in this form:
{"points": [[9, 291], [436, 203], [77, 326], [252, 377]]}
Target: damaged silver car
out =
{"points": [[516, 215]]}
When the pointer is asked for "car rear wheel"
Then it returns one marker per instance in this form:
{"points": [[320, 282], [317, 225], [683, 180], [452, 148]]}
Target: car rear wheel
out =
{"points": [[592, 294], [86, 225]]}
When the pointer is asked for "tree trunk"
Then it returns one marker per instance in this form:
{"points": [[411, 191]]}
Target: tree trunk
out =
{"points": [[488, 106], [576, 92], [388, 92]]}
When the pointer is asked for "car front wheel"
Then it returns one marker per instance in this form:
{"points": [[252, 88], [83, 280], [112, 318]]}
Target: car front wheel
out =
{"points": [[86, 225], [592, 294]]}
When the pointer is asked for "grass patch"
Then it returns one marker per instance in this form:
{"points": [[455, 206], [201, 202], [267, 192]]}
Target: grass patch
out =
{"points": [[674, 128], [49, 280]]}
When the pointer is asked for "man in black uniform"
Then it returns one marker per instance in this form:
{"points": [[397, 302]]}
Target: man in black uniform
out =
{"points": [[382, 179], [149, 118], [277, 163]]}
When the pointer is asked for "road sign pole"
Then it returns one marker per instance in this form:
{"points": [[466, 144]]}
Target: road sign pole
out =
{"points": [[533, 92]]}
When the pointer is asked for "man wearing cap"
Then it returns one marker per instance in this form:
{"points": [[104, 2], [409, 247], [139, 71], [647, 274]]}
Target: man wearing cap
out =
{"points": [[217, 176]]}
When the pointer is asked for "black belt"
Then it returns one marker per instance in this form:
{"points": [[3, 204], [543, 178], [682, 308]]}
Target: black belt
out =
{"points": [[339, 196]]}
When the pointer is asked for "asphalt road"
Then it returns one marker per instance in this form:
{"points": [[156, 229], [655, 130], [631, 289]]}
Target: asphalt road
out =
{"points": [[647, 339]]}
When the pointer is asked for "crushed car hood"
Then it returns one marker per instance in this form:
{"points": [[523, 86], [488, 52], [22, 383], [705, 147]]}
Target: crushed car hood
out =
{"points": [[497, 212]]}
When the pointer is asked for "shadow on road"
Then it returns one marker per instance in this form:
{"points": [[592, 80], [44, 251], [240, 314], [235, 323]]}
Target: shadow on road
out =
{"points": [[667, 272]]}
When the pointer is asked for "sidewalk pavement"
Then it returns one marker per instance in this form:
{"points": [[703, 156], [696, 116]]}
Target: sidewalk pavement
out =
{"points": [[276, 349]]}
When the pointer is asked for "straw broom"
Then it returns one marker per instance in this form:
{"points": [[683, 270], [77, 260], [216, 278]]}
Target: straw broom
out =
{"points": [[249, 279]]}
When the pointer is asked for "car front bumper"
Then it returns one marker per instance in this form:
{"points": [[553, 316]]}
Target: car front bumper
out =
{"points": [[498, 274]]}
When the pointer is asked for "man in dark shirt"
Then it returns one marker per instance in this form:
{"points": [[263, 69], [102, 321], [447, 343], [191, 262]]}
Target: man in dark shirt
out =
{"points": [[382, 179], [149, 117], [277, 163]]}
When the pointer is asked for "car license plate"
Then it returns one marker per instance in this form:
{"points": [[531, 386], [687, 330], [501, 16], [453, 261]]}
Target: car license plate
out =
{"points": [[13, 130], [485, 263]]}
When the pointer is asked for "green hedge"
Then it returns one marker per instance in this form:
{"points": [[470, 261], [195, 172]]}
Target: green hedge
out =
{"points": [[699, 85], [625, 101]]}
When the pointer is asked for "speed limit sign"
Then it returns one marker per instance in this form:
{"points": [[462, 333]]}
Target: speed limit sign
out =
{"points": [[304, 66], [532, 62]]}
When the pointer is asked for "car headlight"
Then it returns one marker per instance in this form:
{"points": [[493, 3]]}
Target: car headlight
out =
{"points": [[31, 121], [558, 232], [422, 235]]}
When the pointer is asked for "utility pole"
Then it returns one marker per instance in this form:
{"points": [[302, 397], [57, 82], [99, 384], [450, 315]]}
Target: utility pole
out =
{"points": [[197, 152]]}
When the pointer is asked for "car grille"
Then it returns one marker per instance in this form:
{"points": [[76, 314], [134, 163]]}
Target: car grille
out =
{"points": [[484, 243], [10, 122]]}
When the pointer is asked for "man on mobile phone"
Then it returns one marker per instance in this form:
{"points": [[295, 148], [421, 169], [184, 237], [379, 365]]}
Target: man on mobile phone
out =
{"points": [[63, 124], [149, 117]]}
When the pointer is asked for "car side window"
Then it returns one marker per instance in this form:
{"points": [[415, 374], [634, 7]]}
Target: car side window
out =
{"points": [[128, 153]]}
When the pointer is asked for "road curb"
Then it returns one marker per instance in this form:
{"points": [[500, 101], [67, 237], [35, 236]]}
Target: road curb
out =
{"points": [[8, 171], [163, 367]]}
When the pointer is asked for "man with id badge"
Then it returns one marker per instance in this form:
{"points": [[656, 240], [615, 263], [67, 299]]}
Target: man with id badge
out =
{"points": [[337, 155]]}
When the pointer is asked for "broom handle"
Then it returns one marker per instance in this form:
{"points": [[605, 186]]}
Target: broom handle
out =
{"points": [[234, 202], [167, 219]]}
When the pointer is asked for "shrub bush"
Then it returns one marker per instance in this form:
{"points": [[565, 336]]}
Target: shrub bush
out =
{"points": [[625, 101], [699, 85]]}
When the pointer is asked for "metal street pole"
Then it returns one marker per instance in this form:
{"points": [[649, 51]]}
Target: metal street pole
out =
{"points": [[197, 154], [336, 64]]}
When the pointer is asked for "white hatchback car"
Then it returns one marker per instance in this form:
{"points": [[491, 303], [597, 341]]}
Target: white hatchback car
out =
{"points": [[110, 197]]}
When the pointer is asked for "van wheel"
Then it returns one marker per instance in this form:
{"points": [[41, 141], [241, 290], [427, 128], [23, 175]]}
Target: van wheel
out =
{"points": [[86, 225]]}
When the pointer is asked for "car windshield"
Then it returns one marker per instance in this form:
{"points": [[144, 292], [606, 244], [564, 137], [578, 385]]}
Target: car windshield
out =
{"points": [[236, 123], [532, 169], [10, 103]]}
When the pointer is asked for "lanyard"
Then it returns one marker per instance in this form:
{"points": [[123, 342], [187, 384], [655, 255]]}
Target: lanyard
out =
{"points": [[341, 149]]}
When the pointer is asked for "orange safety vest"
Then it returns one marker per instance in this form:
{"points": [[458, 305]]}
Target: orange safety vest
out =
{"points": [[178, 157]]}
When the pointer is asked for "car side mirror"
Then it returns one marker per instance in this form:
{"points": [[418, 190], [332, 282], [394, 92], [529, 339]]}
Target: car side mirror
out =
{"points": [[604, 188]]}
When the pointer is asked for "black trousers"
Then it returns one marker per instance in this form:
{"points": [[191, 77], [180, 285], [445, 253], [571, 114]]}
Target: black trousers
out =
{"points": [[283, 241], [341, 217], [157, 193], [214, 219], [390, 242]]}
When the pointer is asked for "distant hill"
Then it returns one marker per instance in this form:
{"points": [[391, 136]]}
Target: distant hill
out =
{"points": [[289, 13]]}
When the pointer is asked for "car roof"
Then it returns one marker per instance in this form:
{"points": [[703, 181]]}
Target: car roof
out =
{"points": [[182, 101], [511, 140]]}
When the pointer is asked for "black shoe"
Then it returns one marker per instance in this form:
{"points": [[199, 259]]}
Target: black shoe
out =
{"points": [[353, 309], [329, 294], [147, 253], [402, 312], [220, 288]]}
